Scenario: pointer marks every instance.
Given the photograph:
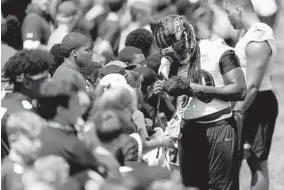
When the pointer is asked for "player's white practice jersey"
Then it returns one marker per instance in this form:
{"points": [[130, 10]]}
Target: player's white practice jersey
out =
{"points": [[192, 108], [259, 32]]}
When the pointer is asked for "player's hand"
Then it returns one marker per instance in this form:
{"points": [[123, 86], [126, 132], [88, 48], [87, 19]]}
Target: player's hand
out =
{"points": [[177, 86], [196, 90], [158, 87]]}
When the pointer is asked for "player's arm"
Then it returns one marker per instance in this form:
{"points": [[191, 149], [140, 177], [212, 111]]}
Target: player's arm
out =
{"points": [[233, 76], [258, 54]]}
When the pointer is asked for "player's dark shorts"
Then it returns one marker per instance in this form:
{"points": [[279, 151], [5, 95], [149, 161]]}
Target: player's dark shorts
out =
{"points": [[208, 155], [259, 124]]}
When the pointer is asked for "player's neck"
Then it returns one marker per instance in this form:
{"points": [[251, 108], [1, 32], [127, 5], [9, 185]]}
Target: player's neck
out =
{"points": [[249, 20]]}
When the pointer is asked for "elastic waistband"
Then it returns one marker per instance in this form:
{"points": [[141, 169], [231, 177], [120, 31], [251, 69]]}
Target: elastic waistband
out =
{"points": [[210, 124], [223, 117], [214, 116]]}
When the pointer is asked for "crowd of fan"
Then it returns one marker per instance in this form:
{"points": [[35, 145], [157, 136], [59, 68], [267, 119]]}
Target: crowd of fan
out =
{"points": [[79, 110]]}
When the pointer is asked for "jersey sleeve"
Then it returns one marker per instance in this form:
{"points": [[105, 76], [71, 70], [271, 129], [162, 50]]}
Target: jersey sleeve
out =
{"points": [[261, 32], [229, 61]]}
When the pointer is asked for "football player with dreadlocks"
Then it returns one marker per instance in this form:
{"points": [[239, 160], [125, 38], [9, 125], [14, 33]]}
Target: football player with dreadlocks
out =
{"points": [[205, 77]]}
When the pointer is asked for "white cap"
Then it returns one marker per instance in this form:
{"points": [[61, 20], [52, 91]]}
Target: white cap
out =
{"points": [[113, 79]]}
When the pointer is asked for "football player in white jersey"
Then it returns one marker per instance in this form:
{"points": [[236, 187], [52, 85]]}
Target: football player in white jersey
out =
{"points": [[257, 52], [205, 77]]}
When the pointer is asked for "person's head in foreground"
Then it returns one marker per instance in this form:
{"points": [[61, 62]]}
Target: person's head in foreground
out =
{"points": [[27, 70], [77, 48], [23, 130], [176, 39], [52, 169], [140, 38], [239, 11], [112, 127], [120, 96], [62, 101]]}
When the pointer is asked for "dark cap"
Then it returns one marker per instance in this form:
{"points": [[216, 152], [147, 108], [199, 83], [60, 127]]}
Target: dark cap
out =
{"points": [[110, 70]]}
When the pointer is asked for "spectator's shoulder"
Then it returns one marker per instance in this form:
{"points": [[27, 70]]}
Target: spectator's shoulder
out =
{"points": [[63, 71]]}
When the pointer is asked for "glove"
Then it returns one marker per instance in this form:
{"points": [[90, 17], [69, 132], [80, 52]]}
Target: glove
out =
{"points": [[177, 86]]}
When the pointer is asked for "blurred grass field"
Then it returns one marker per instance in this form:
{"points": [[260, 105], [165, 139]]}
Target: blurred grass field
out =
{"points": [[276, 159]]}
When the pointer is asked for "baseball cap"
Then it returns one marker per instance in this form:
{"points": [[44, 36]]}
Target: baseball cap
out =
{"points": [[111, 69]]}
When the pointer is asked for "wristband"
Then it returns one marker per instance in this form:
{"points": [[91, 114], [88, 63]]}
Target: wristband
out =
{"points": [[241, 111]]}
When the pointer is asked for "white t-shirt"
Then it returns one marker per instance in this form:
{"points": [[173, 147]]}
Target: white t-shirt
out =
{"points": [[259, 32]]}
